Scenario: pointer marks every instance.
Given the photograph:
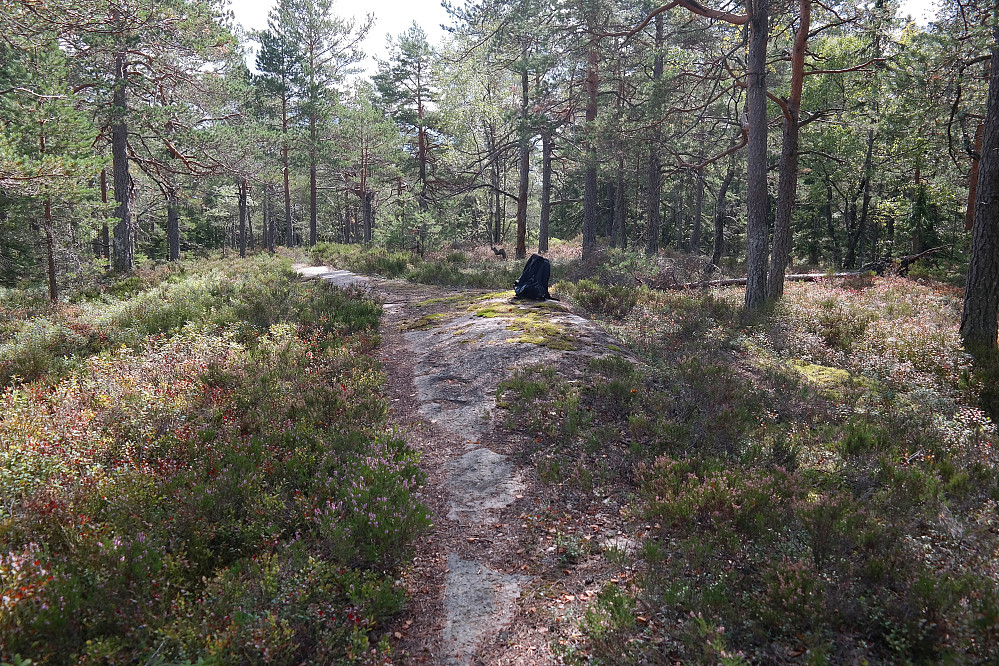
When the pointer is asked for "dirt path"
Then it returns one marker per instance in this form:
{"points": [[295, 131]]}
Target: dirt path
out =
{"points": [[445, 353]]}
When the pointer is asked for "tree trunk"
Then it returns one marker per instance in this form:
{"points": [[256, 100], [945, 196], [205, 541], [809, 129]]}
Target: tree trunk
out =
{"points": [[346, 218], [50, 252], [617, 229], [494, 179], [249, 230], [242, 218], [837, 258], [865, 207], [105, 234], [654, 168], [313, 204], [695, 234], [546, 190], [757, 199], [289, 240], [718, 245], [525, 167], [678, 222], [421, 137], [981, 292], [858, 230], [590, 152], [367, 214], [173, 226], [787, 186], [270, 224], [123, 248]]}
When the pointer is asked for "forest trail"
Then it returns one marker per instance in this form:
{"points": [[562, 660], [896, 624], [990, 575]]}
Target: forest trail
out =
{"points": [[445, 353]]}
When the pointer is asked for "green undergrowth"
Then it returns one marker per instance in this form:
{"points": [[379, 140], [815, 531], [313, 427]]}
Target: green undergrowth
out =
{"points": [[812, 484], [197, 469], [452, 270]]}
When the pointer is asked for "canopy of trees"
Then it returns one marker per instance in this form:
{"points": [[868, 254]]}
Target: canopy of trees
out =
{"points": [[762, 135]]}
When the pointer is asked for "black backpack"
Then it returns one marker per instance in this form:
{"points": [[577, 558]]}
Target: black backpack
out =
{"points": [[533, 282]]}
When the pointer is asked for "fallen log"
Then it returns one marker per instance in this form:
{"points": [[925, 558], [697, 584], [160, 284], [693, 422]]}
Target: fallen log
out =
{"points": [[904, 263], [734, 282]]}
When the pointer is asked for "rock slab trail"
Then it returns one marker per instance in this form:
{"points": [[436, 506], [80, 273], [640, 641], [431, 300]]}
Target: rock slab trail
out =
{"points": [[445, 353]]}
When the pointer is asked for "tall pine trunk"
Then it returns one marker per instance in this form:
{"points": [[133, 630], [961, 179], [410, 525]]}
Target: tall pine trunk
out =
{"points": [[787, 185], [695, 233], [105, 234], [718, 244], [367, 214], [618, 230], [242, 217], [50, 252], [654, 168], [546, 190], [123, 249], [525, 166], [757, 199], [981, 292], [590, 204], [289, 240], [173, 225], [313, 204]]}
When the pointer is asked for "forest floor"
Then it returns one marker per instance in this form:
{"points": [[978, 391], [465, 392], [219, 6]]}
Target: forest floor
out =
{"points": [[675, 480], [489, 581]]}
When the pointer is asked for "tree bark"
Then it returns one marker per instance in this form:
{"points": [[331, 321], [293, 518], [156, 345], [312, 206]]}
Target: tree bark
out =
{"points": [[857, 232], [757, 199], [828, 208], [313, 204], [546, 190], [123, 248], [787, 186], [50, 251], [346, 218], [421, 136], [865, 206], [718, 245], [289, 240], [609, 202], [367, 214], [695, 234], [617, 229], [654, 168], [105, 234], [173, 226], [525, 166], [981, 292], [494, 180], [242, 217], [269, 217], [590, 151]]}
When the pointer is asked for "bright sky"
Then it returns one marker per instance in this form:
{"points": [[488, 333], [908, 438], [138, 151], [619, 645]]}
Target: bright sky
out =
{"points": [[921, 10], [391, 17], [394, 16]]}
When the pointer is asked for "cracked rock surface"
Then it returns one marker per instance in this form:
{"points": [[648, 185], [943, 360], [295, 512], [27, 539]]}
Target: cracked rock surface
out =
{"points": [[444, 358]]}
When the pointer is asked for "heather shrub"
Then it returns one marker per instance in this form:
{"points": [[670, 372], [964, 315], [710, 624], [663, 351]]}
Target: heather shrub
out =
{"points": [[453, 269], [41, 346], [611, 301], [804, 483], [222, 493], [361, 259]]}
